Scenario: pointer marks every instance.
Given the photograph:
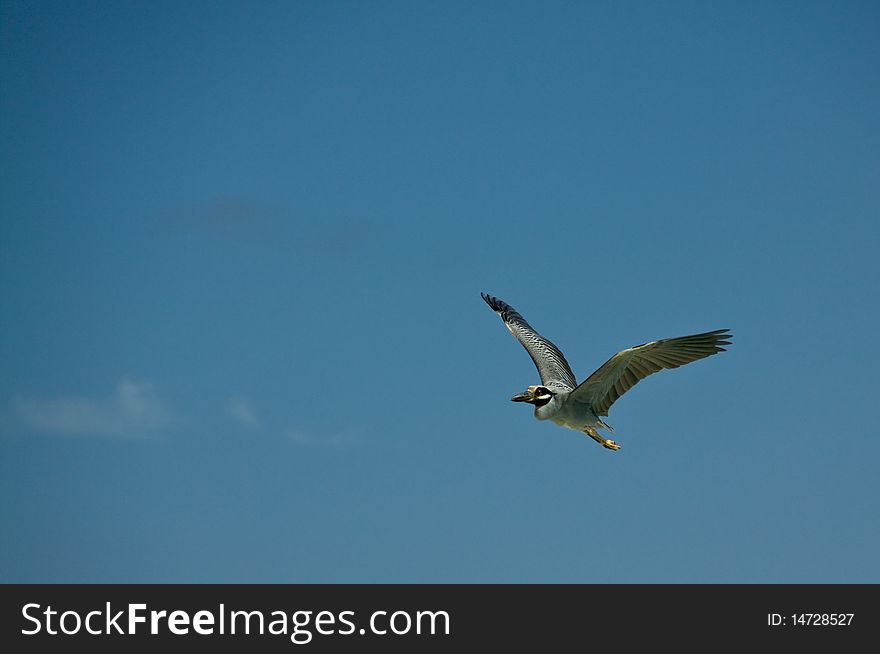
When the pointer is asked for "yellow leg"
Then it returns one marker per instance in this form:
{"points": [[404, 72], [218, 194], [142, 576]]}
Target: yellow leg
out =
{"points": [[604, 442]]}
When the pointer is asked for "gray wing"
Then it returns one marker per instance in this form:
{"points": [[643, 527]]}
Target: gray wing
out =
{"points": [[552, 366], [627, 368]]}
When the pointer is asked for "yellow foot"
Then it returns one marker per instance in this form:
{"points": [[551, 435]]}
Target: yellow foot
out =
{"points": [[611, 445], [604, 442]]}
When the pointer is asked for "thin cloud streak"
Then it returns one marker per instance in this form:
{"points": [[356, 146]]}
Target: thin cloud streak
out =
{"points": [[243, 411], [132, 411]]}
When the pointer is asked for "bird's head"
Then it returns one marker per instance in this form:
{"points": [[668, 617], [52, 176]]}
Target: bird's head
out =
{"points": [[537, 395]]}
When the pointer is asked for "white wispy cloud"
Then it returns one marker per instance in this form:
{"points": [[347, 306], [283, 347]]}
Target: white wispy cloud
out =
{"points": [[335, 440], [242, 410], [131, 411]]}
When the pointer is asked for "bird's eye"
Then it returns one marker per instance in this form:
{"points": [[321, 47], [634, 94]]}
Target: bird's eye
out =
{"points": [[542, 393]]}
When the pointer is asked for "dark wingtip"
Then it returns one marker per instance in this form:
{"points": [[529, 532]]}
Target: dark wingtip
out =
{"points": [[493, 302], [723, 337]]}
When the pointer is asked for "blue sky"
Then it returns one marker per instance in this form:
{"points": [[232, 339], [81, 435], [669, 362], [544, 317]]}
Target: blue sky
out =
{"points": [[241, 253]]}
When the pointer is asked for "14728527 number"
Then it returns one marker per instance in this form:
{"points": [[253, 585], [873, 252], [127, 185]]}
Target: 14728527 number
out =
{"points": [[821, 619]]}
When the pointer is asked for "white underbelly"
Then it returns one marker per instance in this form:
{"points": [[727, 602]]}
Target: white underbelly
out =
{"points": [[576, 420], [573, 415], [578, 423]]}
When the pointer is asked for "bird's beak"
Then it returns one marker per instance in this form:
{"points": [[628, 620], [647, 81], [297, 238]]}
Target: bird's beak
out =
{"points": [[522, 397]]}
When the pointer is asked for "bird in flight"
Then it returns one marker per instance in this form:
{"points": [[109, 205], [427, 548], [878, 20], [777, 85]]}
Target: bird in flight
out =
{"points": [[581, 406]]}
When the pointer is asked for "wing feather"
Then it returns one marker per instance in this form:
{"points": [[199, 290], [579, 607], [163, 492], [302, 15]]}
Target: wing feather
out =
{"points": [[549, 360], [628, 367]]}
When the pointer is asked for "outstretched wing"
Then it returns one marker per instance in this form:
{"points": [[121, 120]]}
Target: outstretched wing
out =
{"points": [[627, 368], [552, 366]]}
